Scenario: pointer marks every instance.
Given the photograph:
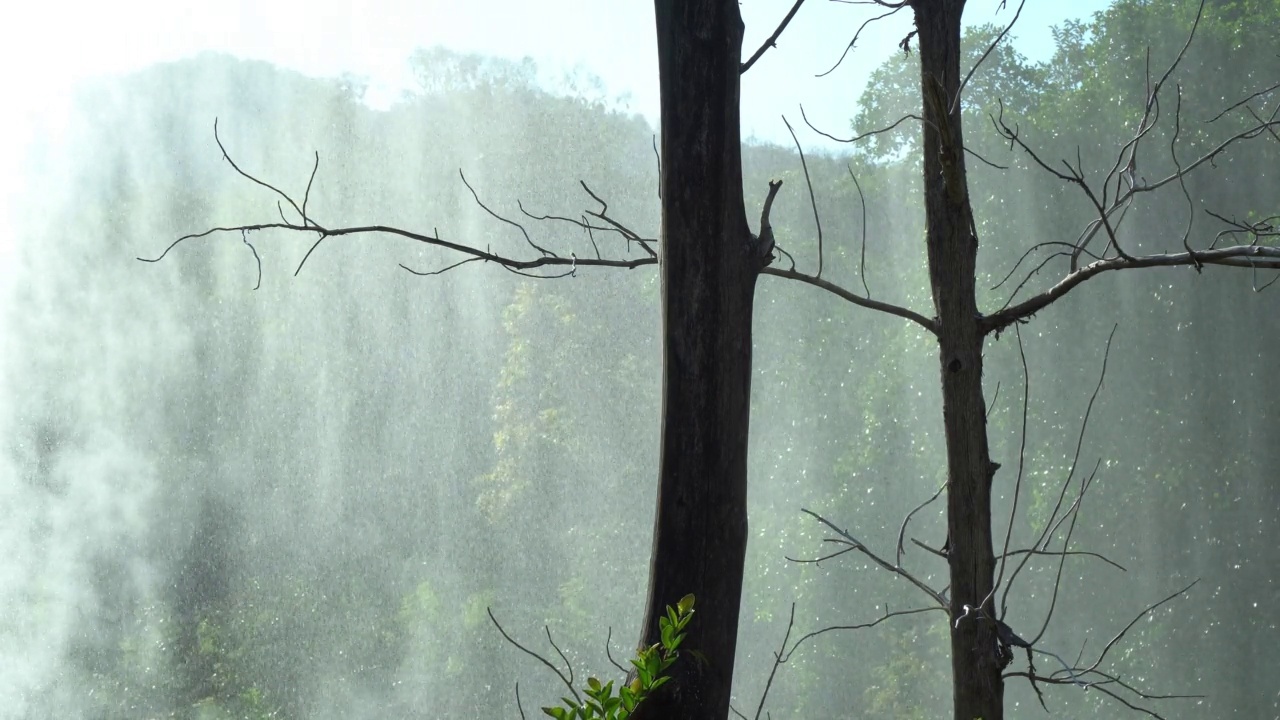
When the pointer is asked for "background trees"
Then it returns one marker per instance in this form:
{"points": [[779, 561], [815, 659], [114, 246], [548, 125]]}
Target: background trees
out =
{"points": [[338, 542]]}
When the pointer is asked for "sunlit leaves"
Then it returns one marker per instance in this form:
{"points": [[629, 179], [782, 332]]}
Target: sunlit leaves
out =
{"points": [[650, 663]]}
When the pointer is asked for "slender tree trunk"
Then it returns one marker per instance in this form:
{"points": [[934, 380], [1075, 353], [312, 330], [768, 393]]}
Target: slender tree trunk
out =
{"points": [[709, 270], [976, 663]]}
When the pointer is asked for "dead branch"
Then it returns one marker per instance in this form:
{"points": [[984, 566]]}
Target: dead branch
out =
{"points": [[1094, 679], [894, 7], [963, 83], [859, 136], [813, 201], [853, 543], [1256, 257], [859, 626], [862, 255], [777, 662], [608, 652], [1121, 185], [902, 531], [566, 679], [858, 300], [772, 41], [545, 257], [1087, 677], [1054, 520], [1017, 484], [1063, 553]]}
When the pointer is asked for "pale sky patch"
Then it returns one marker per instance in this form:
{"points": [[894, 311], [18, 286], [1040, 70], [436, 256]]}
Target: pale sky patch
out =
{"points": [[48, 46]]}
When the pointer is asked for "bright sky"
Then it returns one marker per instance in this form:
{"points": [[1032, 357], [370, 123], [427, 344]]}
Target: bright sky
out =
{"points": [[48, 45]]}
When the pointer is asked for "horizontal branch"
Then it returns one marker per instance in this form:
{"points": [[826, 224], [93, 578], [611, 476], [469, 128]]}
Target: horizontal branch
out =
{"points": [[884, 307], [1257, 257], [473, 253]]}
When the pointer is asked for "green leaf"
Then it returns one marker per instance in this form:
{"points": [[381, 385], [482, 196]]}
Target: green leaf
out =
{"points": [[686, 604]]}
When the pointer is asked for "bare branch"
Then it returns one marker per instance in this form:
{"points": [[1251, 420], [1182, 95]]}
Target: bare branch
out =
{"points": [[858, 300], [227, 156], [859, 136], [860, 626], [862, 256], [475, 253], [854, 544], [1066, 553], [895, 7], [1051, 524], [657, 156], [963, 83], [777, 662], [547, 258], [306, 195], [813, 201], [244, 237], [608, 652], [1248, 256], [1242, 103], [1111, 206], [310, 250], [602, 214], [475, 196], [902, 532], [773, 39], [1022, 459], [1149, 609], [1092, 678], [566, 679]]}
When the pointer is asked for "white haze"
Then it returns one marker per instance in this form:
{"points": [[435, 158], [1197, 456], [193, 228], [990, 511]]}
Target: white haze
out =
{"points": [[112, 370]]}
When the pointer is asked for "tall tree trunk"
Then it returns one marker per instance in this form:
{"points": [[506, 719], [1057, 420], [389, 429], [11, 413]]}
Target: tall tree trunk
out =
{"points": [[709, 267], [976, 662]]}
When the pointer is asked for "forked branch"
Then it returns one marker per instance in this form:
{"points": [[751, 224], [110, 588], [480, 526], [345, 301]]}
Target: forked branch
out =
{"points": [[544, 257], [591, 223], [1242, 244]]}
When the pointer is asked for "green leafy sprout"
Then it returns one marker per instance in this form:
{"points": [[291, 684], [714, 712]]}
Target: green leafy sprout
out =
{"points": [[651, 666]]}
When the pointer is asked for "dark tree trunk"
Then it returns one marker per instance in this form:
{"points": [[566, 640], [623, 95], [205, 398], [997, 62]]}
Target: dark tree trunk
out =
{"points": [[709, 268], [976, 664]]}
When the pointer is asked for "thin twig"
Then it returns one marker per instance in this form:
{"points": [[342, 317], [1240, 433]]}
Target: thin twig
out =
{"points": [[902, 531], [963, 83], [860, 626], [855, 544], [772, 40], [777, 662], [862, 256], [568, 682], [813, 201], [854, 41]]}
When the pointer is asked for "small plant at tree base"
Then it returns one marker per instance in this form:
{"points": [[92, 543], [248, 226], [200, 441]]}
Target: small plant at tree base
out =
{"points": [[651, 665]]}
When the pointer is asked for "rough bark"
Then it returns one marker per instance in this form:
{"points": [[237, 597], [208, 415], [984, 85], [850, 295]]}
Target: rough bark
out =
{"points": [[709, 266], [977, 687]]}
